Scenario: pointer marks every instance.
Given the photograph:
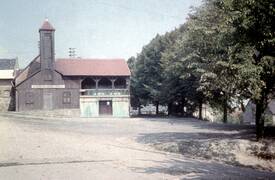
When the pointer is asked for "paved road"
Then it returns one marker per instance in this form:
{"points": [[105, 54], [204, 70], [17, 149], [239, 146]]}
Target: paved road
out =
{"points": [[48, 148]]}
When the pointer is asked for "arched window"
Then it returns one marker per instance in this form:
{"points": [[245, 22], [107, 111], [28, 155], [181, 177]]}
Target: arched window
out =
{"points": [[105, 83], [120, 83], [88, 83]]}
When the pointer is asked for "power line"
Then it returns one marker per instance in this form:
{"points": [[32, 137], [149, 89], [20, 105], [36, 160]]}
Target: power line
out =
{"points": [[72, 53]]}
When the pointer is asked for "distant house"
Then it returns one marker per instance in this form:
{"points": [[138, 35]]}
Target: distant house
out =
{"points": [[95, 86], [271, 111], [8, 69], [250, 111]]}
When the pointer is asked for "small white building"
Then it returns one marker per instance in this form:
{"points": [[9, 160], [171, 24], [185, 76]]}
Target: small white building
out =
{"points": [[8, 69], [250, 112]]}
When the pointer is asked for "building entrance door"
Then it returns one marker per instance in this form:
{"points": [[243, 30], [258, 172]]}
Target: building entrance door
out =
{"points": [[105, 108], [47, 101]]}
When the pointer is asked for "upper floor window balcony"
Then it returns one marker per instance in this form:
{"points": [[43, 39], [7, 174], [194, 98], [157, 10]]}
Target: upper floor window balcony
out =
{"points": [[104, 86], [88, 83]]}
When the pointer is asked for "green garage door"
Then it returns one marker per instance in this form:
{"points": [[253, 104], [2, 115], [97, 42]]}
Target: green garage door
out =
{"points": [[120, 109], [89, 109]]}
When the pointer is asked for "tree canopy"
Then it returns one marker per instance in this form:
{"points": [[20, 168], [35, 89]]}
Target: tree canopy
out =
{"points": [[223, 53]]}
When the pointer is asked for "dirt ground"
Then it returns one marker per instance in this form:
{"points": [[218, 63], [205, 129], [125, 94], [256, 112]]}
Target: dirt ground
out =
{"points": [[37, 147]]}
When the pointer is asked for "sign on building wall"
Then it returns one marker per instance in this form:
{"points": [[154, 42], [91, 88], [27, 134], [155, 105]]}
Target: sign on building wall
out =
{"points": [[48, 86]]}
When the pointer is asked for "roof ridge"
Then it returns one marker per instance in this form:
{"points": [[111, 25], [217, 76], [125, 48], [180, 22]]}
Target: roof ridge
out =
{"points": [[90, 59], [95, 67]]}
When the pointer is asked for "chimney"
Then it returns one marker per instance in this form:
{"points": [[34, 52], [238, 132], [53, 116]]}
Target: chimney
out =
{"points": [[47, 46]]}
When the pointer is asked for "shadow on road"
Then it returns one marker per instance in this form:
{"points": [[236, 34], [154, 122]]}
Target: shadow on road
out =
{"points": [[204, 170], [201, 130], [167, 137]]}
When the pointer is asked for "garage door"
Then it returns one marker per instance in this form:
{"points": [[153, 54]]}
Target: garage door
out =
{"points": [[105, 108]]}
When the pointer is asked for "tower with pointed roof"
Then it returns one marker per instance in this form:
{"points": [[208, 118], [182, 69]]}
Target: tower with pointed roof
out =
{"points": [[95, 87], [47, 46]]}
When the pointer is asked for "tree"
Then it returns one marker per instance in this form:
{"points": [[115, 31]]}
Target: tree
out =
{"points": [[152, 55], [134, 99], [223, 53], [139, 95], [147, 78], [202, 52], [254, 23]]}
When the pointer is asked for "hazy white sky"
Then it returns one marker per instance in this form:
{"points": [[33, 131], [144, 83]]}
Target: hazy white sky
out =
{"points": [[96, 28]]}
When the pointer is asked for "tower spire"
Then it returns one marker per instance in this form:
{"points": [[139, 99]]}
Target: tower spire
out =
{"points": [[47, 26], [47, 45]]}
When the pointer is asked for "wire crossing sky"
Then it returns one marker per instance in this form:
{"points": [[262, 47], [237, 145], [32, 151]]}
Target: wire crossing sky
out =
{"points": [[95, 28]]}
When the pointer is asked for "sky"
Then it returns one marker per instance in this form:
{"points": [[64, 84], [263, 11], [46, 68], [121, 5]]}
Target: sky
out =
{"points": [[96, 28]]}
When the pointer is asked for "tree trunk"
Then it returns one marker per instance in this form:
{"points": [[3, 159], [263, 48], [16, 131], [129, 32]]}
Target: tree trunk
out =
{"points": [[242, 107], [225, 110], [157, 108], [259, 119], [261, 105], [200, 109], [139, 109], [169, 108], [182, 112]]}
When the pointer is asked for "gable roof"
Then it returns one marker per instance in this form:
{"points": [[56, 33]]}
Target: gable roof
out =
{"points": [[30, 70], [8, 64], [92, 67], [78, 67]]}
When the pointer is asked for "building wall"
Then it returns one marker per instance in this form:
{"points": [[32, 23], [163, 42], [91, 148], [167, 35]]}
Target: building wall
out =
{"points": [[5, 82], [34, 93], [89, 106], [6, 96], [30, 97], [248, 116], [250, 112]]}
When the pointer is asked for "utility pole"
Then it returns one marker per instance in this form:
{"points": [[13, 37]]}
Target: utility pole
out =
{"points": [[72, 53]]}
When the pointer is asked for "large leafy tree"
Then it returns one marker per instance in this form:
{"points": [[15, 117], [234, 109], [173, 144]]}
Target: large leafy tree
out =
{"points": [[223, 53], [202, 53], [151, 55], [254, 23], [139, 95], [134, 84], [240, 41], [181, 81], [147, 78]]}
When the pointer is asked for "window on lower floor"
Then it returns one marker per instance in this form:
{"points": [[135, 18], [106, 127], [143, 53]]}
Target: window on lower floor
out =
{"points": [[29, 98], [66, 97]]}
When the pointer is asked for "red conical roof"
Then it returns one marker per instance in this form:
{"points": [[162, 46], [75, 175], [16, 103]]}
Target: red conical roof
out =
{"points": [[46, 26]]}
